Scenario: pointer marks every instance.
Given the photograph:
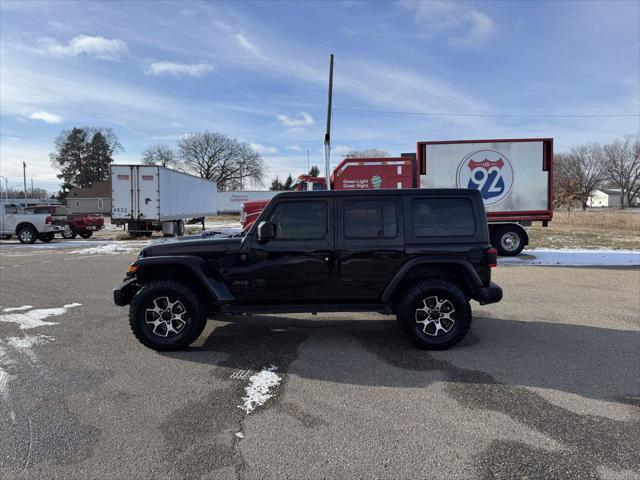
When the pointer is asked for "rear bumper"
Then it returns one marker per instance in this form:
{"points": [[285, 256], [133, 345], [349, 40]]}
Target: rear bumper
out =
{"points": [[124, 292], [490, 294]]}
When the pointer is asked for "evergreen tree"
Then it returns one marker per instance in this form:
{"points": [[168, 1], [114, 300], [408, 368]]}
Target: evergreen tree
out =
{"points": [[287, 183], [315, 171], [276, 184]]}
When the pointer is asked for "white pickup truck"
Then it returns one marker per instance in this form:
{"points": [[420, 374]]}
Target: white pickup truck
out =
{"points": [[28, 227]]}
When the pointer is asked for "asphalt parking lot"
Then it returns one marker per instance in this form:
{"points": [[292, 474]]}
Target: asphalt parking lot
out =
{"points": [[546, 385]]}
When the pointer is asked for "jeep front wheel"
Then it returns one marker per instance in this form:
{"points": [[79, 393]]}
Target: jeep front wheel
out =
{"points": [[166, 315], [434, 314]]}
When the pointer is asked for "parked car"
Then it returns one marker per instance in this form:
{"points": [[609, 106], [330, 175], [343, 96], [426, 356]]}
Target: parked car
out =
{"points": [[419, 254], [71, 224], [27, 226]]}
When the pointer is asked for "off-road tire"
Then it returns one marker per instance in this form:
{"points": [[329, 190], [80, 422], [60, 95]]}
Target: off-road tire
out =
{"points": [[86, 234], [414, 298], [27, 235], [68, 232], [508, 241], [46, 237], [196, 318]]}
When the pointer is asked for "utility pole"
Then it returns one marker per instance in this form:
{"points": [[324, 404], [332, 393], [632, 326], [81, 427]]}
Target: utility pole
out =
{"points": [[327, 135], [24, 175], [32, 187]]}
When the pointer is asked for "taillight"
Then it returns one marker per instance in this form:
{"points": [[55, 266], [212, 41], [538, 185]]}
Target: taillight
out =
{"points": [[492, 257], [48, 220]]}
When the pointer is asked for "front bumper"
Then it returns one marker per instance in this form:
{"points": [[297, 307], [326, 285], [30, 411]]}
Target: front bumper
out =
{"points": [[124, 292], [490, 294]]}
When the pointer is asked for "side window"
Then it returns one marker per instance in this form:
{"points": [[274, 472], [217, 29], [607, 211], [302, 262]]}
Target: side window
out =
{"points": [[300, 220], [370, 219], [10, 209], [317, 186], [442, 217]]}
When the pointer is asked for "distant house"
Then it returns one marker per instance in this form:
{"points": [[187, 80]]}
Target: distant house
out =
{"points": [[609, 197], [93, 199]]}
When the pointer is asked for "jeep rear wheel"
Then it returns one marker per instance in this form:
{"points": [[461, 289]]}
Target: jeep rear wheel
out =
{"points": [[166, 315], [434, 314]]}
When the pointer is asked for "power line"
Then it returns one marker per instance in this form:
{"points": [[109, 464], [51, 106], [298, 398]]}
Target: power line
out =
{"points": [[495, 115]]}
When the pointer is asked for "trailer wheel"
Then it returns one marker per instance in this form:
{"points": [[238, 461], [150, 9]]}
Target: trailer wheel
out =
{"points": [[179, 228], [509, 241]]}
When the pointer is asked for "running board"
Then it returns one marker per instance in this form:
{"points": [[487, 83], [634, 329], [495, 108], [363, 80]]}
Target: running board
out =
{"points": [[310, 308]]}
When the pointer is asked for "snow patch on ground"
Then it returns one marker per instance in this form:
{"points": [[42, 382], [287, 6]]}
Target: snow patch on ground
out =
{"points": [[260, 388], [112, 248], [28, 341], [4, 382], [17, 309], [574, 257], [35, 318]]}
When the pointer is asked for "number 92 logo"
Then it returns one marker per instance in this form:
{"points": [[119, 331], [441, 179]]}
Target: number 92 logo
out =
{"points": [[488, 171]]}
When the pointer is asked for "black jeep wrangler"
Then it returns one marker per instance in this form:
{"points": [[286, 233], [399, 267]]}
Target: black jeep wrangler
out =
{"points": [[421, 254]]}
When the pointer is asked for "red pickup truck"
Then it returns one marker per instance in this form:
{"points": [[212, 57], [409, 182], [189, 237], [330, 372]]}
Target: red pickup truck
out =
{"points": [[72, 224]]}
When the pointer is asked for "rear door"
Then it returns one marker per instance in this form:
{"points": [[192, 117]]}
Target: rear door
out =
{"points": [[122, 195], [370, 245]]}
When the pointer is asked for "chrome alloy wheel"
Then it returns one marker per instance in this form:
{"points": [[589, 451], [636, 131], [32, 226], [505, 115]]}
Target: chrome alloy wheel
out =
{"points": [[167, 318], [510, 241], [26, 236], [436, 316]]}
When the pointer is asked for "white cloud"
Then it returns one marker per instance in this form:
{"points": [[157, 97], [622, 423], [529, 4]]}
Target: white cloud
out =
{"points": [[295, 148], [95, 46], [262, 149], [179, 69], [305, 120], [245, 43], [46, 117], [463, 27]]}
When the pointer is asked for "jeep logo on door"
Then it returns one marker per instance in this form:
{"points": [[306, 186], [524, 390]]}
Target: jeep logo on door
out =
{"points": [[488, 171]]}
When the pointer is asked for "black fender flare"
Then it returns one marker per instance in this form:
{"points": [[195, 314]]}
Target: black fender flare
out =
{"points": [[214, 285], [471, 277]]}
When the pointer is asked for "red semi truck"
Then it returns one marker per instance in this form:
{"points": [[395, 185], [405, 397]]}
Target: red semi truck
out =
{"points": [[514, 176]]}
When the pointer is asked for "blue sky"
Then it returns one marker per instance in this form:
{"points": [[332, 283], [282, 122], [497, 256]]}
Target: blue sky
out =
{"points": [[258, 71]]}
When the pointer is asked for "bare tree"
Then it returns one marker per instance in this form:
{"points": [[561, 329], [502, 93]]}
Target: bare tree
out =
{"points": [[623, 164], [222, 159], [566, 188], [586, 166], [159, 154], [368, 153]]}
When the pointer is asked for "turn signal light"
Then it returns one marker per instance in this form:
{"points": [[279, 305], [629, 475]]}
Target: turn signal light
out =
{"points": [[492, 257], [131, 270]]}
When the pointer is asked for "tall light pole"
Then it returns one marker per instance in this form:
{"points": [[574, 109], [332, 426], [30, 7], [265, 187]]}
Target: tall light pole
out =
{"points": [[327, 135], [24, 175]]}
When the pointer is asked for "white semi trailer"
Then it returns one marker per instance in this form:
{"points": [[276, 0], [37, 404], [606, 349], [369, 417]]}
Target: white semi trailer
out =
{"points": [[152, 198]]}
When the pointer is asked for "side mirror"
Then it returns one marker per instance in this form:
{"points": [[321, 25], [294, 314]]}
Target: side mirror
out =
{"points": [[266, 231]]}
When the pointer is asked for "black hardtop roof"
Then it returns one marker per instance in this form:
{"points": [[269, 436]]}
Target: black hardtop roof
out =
{"points": [[449, 192]]}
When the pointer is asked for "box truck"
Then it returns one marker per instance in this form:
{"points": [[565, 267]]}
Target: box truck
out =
{"points": [[153, 198], [514, 176]]}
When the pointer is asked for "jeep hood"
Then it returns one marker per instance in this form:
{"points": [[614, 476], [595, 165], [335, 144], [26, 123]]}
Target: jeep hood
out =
{"points": [[196, 246]]}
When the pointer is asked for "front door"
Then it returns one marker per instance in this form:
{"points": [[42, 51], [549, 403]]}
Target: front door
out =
{"points": [[370, 246], [298, 265]]}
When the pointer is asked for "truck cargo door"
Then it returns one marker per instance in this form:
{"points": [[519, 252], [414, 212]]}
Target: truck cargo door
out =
{"points": [[122, 192], [148, 190]]}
